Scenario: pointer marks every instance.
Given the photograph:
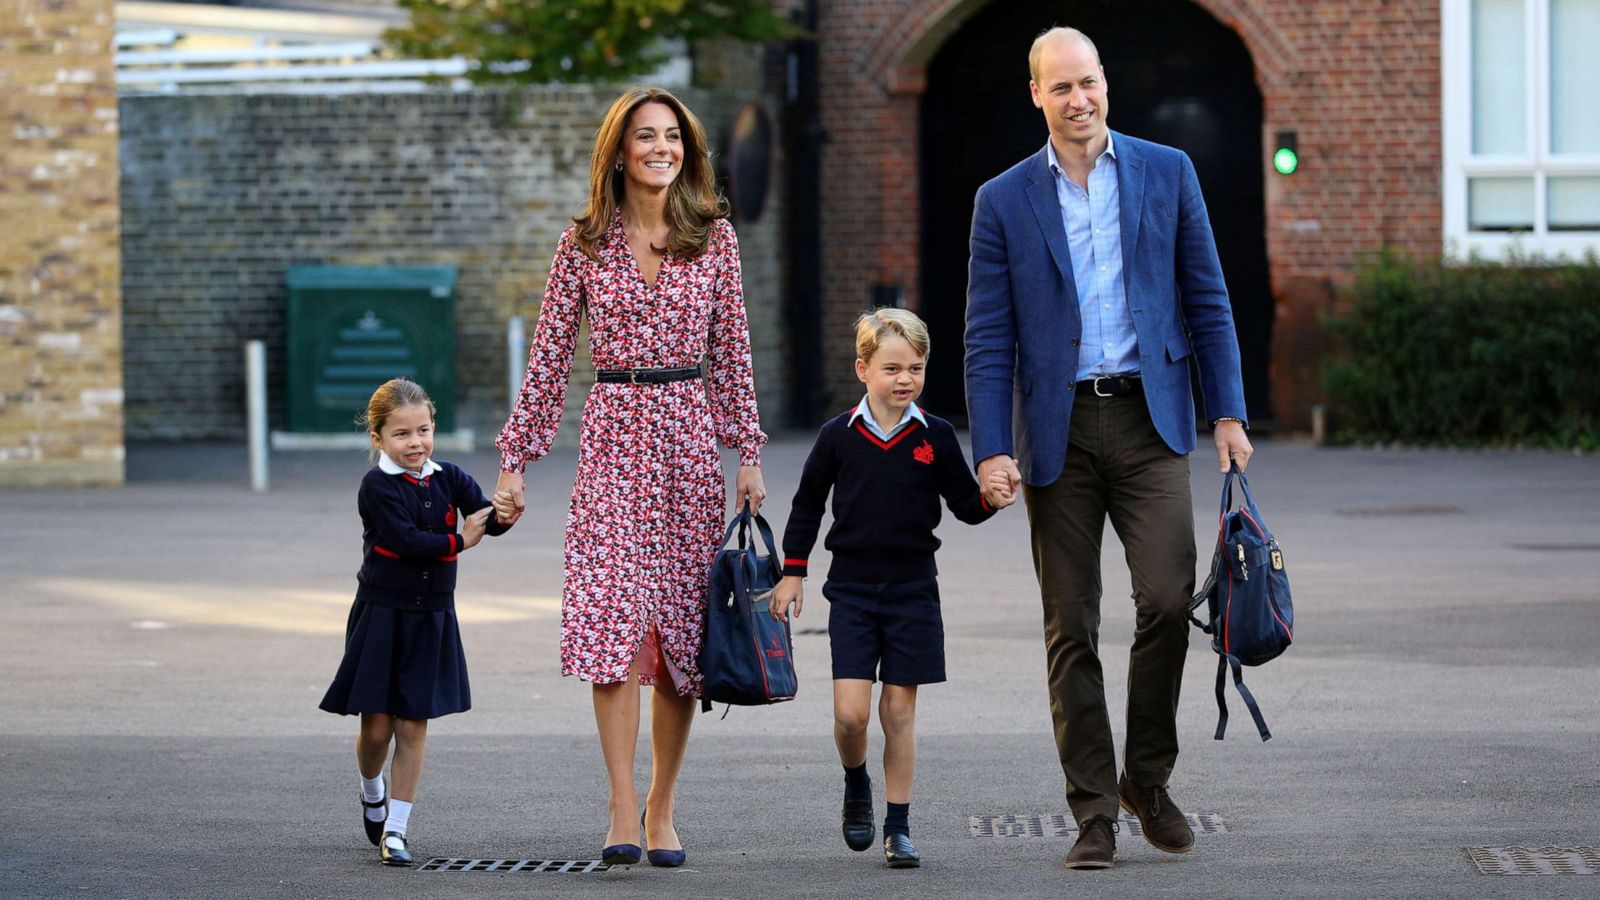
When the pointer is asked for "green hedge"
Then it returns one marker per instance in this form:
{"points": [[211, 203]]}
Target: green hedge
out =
{"points": [[1443, 352]]}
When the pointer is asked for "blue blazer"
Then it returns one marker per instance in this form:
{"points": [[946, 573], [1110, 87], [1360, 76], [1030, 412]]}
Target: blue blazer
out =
{"points": [[1022, 308]]}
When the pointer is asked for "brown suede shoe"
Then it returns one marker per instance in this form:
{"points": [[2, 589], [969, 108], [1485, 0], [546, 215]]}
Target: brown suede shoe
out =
{"points": [[1097, 845], [1165, 826]]}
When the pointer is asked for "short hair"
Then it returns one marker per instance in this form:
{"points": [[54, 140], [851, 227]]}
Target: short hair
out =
{"points": [[390, 396], [1037, 49], [873, 327]]}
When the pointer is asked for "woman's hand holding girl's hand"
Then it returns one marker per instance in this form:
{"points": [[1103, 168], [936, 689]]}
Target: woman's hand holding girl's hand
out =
{"points": [[508, 497], [472, 529]]}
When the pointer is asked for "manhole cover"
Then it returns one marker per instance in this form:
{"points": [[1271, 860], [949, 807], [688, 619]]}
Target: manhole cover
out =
{"points": [[1559, 548], [1380, 512], [1059, 825], [1536, 860], [563, 866]]}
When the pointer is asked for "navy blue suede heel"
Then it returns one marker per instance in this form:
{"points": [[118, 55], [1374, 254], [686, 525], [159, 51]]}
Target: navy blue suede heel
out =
{"points": [[665, 859], [620, 855]]}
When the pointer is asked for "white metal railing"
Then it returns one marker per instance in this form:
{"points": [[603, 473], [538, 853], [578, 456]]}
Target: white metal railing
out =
{"points": [[400, 68], [292, 53], [150, 37]]}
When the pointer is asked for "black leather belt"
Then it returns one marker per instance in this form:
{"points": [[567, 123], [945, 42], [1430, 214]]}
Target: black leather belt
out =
{"points": [[646, 376], [1112, 385]]}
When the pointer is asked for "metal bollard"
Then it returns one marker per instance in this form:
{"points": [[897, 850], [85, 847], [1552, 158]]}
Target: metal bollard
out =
{"points": [[1319, 424], [516, 356], [255, 392]]}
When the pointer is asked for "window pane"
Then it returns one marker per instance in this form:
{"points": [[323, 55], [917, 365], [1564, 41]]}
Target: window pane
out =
{"points": [[1574, 72], [1575, 204], [1499, 98], [1500, 204]]}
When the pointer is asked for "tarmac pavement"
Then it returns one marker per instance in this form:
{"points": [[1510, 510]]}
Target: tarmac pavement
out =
{"points": [[163, 647]]}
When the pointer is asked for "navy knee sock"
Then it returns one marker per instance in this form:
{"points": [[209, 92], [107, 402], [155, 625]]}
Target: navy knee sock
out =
{"points": [[857, 785], [898, 820]]}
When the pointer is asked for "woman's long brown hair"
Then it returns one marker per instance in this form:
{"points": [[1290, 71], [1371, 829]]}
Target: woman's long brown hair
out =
{"points": [[692, 201]]}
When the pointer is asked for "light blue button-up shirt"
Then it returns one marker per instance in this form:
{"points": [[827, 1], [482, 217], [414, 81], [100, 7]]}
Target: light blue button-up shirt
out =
{"points": [[864, 412], [1109, 344]]}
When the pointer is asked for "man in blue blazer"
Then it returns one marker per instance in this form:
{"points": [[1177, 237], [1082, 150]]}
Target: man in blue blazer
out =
{"points": [[1094, 286]]}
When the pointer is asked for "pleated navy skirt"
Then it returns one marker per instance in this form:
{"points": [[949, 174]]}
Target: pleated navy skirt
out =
{"points": [[407, 663]]}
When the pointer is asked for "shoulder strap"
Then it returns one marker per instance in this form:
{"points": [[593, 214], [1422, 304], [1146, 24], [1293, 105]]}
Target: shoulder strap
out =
{"points": [[1224, 661]]}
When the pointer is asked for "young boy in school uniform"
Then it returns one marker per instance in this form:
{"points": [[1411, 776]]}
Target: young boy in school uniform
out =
{"points": [[887, 463]]}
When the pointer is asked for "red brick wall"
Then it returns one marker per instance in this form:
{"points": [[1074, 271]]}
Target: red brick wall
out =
{"points": [[1358, 80]]}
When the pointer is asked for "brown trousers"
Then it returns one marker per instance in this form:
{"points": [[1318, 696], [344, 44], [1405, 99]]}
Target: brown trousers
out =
{"points": [[1116, 465]]}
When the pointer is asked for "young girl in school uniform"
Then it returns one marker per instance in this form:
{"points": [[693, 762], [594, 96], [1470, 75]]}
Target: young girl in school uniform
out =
{"points": [[403, 662]]}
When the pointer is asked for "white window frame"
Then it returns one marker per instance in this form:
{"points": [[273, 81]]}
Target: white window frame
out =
{"points": [[1460, 164]]}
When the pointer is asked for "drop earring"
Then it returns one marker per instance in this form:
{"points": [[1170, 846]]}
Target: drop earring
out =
{"points": [[618, 166]]}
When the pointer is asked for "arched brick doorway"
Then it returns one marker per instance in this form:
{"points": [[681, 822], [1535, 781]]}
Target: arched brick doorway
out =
{"points": [[1176, 76]]}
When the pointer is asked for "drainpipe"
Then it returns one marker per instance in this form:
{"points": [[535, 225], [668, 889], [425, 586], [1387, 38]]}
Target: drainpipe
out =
{"points": [[804, 138]]}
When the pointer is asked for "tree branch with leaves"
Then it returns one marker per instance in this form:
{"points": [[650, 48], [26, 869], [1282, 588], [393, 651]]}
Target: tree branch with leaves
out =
{"points": [[535, 41]]}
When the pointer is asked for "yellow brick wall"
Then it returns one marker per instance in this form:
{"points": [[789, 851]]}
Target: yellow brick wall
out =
{"points": [[60, 263]]}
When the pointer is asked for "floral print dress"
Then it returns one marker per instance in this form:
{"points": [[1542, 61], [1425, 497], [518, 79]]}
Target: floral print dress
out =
{"points": [[646, 517]]}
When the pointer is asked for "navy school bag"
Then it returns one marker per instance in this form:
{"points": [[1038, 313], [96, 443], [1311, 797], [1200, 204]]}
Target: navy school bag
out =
{"points": [[1251, 617], [747, 657]]}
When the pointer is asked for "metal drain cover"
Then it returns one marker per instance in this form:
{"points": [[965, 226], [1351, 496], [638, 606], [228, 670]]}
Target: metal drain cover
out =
{"points": [[1059, 825], [1536, 860], [562, 866]]}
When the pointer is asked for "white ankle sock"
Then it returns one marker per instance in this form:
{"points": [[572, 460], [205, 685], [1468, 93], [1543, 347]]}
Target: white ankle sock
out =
{"points": [[372, 792], [399, 817]]}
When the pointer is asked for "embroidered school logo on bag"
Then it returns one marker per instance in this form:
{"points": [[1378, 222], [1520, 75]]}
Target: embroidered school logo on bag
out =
{"points": [[924, 454]]}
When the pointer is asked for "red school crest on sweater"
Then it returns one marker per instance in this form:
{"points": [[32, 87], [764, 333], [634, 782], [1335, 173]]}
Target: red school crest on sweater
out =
{"points": [[924, 454]]}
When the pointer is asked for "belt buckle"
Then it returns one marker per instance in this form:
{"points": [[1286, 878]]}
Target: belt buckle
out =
{"points": [[1100, 378], [633, 376]]}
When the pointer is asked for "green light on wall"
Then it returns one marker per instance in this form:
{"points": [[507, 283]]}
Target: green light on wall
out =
{"points": [[1286, 159]]}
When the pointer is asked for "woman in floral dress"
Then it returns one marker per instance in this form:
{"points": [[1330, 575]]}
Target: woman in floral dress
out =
{"points": [[653, 264]]}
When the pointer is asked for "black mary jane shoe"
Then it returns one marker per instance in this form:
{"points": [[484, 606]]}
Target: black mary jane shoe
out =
{"points": [[374, 829], [857, 824], [899, 852], [394, 850]]}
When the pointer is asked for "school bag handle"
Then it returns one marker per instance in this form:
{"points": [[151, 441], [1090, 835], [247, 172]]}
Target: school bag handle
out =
{"points": [[747, 521]]}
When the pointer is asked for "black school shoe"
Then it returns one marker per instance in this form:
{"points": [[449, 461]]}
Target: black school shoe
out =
{"points": [[899, 852], [858, 825], [393, 849], [374, 829]]}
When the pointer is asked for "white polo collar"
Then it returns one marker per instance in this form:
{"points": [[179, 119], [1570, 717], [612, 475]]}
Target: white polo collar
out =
{"points": [[390, 467]]}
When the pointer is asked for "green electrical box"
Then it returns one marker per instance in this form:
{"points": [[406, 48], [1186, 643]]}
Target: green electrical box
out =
{"points": [[351, 328]]}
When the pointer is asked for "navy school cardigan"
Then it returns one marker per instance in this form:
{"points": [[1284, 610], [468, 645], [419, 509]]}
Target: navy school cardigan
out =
{"points": [[409, 539]]}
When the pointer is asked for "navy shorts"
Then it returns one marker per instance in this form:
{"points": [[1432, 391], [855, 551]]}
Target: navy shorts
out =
{"points": [[888, 632]]}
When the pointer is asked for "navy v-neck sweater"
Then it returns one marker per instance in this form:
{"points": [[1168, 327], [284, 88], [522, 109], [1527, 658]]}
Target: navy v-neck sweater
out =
{"points": [[885, 500]]}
